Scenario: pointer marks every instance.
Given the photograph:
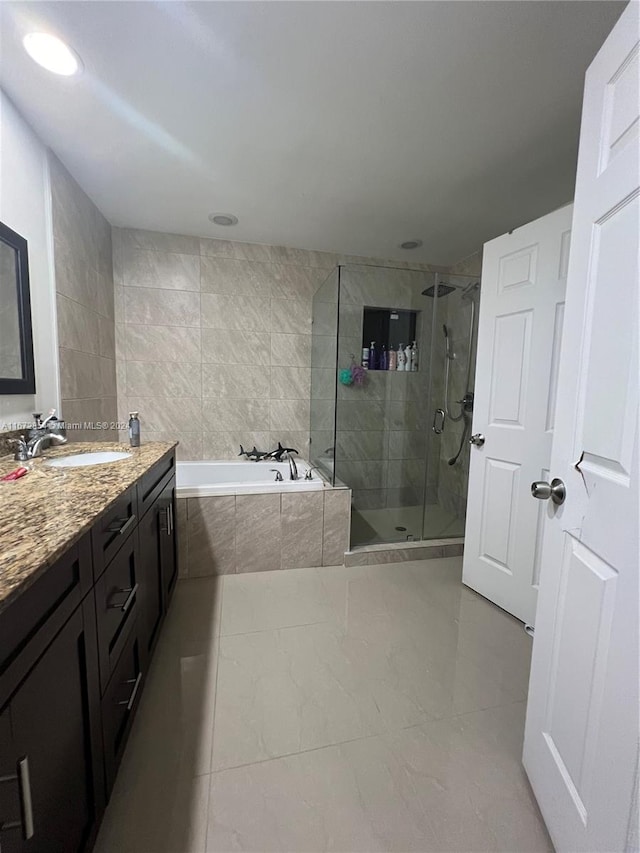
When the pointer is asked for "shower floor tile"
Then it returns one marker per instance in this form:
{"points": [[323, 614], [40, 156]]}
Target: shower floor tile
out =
{"points": [[377, 526], [369, 708]]}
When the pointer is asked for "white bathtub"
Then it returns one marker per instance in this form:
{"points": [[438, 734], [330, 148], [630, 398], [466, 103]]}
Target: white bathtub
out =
{"points": [[202, 479]]}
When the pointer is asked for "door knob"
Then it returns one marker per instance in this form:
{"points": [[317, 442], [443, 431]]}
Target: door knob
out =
{"points": [[477, 439], [554, 490]]}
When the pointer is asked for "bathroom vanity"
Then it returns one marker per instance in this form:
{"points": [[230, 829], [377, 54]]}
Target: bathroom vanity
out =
{"points": [[88, 564]]}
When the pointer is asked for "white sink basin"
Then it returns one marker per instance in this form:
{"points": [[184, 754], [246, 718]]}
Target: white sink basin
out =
{"points": [[81, 460]]}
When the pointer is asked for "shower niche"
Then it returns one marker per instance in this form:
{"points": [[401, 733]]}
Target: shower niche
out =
{"points": [[387, 329]]}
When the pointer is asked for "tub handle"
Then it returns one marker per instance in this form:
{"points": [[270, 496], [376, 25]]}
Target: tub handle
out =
{"points": [[279, 476]]}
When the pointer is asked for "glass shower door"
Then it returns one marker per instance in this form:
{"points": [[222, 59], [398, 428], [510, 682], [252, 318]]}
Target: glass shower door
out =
{"points": [[381, 425]]}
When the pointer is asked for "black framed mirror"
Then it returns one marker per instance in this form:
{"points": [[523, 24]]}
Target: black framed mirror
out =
{"points": [[17, 374]]}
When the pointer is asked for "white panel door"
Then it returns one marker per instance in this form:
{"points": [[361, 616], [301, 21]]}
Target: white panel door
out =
{"points": [[519, 332], [582, 729]]}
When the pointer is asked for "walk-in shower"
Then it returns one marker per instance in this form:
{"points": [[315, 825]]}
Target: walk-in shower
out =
{"points": [[399, 440]]}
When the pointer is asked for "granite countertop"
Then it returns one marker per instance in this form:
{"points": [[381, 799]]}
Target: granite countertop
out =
{"points": [[47, 510]]}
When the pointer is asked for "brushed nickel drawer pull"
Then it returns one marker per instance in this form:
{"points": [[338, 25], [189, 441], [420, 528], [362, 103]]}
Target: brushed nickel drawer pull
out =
{"points": [[26, 804], [122, 525], [136, 684], [128, 601]]}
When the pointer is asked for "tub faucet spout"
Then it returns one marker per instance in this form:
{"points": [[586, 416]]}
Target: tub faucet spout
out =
{"points": [[293, 468]]}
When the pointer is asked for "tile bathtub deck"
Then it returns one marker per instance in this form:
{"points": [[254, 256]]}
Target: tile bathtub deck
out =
{"points": [[372, 708]]}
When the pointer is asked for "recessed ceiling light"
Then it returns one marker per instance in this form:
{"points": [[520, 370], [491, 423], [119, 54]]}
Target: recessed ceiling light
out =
{"points": [[411, 244], [52, 53], [223, 218]]}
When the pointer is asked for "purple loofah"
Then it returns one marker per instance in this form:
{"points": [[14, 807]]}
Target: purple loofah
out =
{"points": [[358, 374]]}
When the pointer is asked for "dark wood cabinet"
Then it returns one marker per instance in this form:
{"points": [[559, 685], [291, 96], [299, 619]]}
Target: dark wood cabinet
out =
{"points": [[74, 651], [54, 792], [158, 561]]}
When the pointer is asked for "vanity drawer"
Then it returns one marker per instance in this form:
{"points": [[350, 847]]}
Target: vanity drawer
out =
{"points": [[120, 703], [153, 482], [117, 605], [112, 530]]}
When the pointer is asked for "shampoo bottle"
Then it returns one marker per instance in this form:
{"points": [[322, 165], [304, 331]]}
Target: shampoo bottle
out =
{"points": [[373, 356], [384, 358], [401, 357], [407, 357], [414, 357], [365, 357], [393, 358]]}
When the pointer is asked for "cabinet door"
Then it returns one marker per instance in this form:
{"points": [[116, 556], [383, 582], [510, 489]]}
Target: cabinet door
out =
{"points": [[150, 540], [168, 540], [51, 716], [11, 819]]}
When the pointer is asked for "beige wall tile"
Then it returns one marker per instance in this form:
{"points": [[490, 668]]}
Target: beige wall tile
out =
{"points": [[156, 241], [170, 270], [164, 414], [337, 520], [211, 532], [82, 374], [221, 346], [291, 316], [224, 311], [162, 343], [257, 533], [291, 350], [170, 379], [157, 307], [242, 381], [302, 526], [78, 327], [225, 275], [231, 249], [290, 383], [289, 415], [231, 414]]}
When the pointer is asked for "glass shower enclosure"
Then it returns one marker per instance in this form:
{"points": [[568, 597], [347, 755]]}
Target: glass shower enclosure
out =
{"points": [[392, 439]]}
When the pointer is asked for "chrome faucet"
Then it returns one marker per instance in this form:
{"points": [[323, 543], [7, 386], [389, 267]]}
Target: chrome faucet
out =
{"points": [[33, 448], [293, 468], [309, 475], [41, 437]]}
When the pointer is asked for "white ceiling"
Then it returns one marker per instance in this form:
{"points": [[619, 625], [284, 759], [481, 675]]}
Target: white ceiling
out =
{"points": [[347, 127]]}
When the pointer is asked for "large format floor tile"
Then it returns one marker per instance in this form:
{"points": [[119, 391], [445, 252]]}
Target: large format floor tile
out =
{"points": [[371, 708]]}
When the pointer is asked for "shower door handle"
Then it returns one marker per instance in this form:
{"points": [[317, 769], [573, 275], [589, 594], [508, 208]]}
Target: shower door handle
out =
{"points": [[438, 421]]}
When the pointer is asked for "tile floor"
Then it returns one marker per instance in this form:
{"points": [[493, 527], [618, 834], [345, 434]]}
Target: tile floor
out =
{"points": [[373, 708]]}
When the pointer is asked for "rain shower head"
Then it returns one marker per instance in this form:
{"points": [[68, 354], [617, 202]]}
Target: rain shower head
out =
{"points": [[443, 290]]}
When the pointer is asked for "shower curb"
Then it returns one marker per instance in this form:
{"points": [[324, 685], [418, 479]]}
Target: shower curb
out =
{"points": [[405, 551]]}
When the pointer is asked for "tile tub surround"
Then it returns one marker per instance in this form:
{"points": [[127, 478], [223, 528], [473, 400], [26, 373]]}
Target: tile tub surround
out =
{"points": [[47, 510], [213, 339], [284, 704], [234, 534], [84, 308]]}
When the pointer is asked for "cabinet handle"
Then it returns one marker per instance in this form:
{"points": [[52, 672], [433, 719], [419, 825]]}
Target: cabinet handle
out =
{"points": [[122, 525], [171, 518], [136, 684], [128, 601], [26, 805]]}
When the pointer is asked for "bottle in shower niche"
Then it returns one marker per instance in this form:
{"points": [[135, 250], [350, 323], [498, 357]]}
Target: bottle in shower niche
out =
{"points": [[365, 357], [384, 358], [414, 357], [402, 358], [373, 356], [134, 429], [393, 358]]}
